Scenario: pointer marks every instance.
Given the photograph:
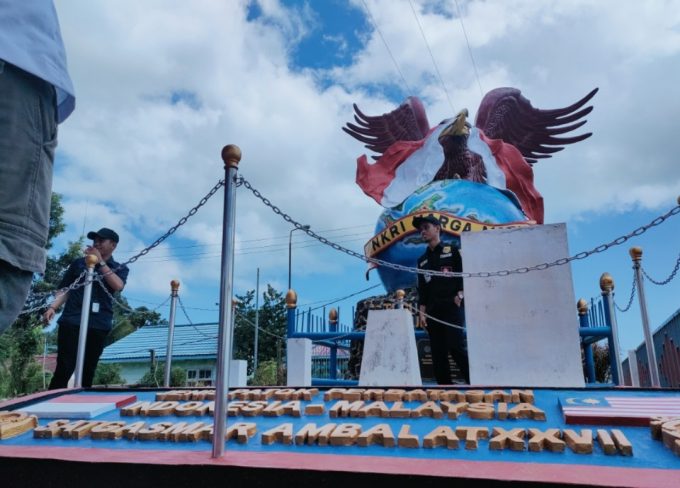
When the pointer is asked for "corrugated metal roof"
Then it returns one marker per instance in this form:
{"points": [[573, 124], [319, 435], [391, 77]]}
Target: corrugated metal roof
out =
{"points": [[190, 341]]}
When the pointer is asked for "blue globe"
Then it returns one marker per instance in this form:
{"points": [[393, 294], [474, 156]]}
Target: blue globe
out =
{"points": [[474, 203]]}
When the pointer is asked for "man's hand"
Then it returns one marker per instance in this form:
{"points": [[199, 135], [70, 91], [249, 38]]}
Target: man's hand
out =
{"points": [[422, 322], [458, 299], [94, 251], [48, 315]]}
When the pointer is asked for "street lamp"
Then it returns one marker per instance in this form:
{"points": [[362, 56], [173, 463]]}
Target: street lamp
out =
{"points": [[290, 248]]}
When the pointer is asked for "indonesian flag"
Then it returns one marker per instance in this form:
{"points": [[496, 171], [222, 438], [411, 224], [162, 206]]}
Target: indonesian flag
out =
{"points": [[408, 165]]}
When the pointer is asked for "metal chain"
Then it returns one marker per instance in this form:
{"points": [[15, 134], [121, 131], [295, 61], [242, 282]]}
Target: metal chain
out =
{"points": [[100, 280], [66, 289], [252, 324], [667, 280], [181, 305], [485, 274], [180, 223], [630, 300], [448, 324], [134, 258]]}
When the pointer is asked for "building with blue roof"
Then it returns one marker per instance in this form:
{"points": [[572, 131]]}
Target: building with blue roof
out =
{"points": [[194, 349]]}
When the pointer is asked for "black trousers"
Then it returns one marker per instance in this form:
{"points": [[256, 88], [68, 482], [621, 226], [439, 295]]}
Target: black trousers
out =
{"points": [[445, 339], [67, 352]]}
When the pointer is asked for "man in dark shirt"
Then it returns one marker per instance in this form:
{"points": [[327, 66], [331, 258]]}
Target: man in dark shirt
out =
{"points": [[441, 298], [113, 276]]}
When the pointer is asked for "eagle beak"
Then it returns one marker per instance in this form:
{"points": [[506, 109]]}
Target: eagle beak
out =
{"points": [[458, 127]]}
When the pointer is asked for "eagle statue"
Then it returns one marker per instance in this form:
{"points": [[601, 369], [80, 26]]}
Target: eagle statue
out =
{"points": [[508, 137]]}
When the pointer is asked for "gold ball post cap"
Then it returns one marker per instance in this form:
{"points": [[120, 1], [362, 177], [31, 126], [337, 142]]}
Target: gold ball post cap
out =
{"points": [[400, 294], [174, 285], [606, 282], [582, 307], [635, 253], [291, 299], [333, 315], [91, 260], [231, 155]]}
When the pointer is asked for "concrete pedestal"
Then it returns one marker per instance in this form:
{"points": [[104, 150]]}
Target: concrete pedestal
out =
{"points": [[522, 329], [299, 362], [390, 357], [238, 373]]}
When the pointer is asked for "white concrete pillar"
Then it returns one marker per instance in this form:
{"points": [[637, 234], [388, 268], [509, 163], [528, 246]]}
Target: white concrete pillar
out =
{"points": [[390, 356], [299, 362]]}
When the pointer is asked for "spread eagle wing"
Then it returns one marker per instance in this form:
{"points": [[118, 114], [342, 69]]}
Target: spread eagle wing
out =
{"points": [[408, 122], [506, 114]]}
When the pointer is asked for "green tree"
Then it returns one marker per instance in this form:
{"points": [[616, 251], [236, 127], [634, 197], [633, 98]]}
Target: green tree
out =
{"points": [[271, 337]]}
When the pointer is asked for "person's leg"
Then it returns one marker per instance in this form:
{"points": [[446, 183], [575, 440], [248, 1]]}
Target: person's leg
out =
{"points": [[67, 351], [440, 352], [28, 130], [96, 339], [15, 286], [457, 343]]}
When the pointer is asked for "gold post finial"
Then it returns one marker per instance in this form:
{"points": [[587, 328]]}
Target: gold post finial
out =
{"points": [[231, 155], [606, 283], [582, 307], [635, 253], [400, 294], [91, 260], [174, 286], [333, 315], [291, 299]]}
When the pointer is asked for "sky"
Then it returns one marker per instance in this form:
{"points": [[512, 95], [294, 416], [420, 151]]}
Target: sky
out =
{"points": [[162, 85]]}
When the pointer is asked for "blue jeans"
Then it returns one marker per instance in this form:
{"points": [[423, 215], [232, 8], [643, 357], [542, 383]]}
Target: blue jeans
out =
{"points": [[28, 138]]}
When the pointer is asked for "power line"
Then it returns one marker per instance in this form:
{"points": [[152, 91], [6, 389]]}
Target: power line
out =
{"points": [[259, 239], [427, 44], [375, 24], [467, 41]]}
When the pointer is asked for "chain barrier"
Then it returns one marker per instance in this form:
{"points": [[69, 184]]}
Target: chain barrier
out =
{"points": [[415, 314], [61, 291], [134, 258], [249, 322], [485, 274], [181, 305], [667, 280], [630, 300]]}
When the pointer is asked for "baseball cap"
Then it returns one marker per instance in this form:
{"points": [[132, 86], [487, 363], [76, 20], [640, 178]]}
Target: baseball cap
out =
{"points": [[421, 219], [103, 233]]}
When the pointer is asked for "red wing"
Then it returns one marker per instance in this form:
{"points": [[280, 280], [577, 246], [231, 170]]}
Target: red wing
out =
{"points": [[408, 122], [505, 114]]}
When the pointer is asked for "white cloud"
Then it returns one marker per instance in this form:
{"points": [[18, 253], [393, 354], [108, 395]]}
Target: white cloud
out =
{"points": [[141, 161]]}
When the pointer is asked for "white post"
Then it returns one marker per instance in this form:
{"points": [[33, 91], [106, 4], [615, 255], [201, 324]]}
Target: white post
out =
{"points": [[636, 255], [632, 364], [231, 155], [90, 261], [257, 319], [174, 287]]}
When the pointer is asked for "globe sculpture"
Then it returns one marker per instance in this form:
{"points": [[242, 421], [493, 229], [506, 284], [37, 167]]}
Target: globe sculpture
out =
{"points": [[461, 206]]}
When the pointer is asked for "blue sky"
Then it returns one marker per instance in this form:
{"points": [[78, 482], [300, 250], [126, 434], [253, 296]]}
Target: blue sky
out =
{"points": [[162, 86]]}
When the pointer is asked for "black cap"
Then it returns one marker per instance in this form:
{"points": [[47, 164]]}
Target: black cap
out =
{"points": [[103, 233], [421, 219]]}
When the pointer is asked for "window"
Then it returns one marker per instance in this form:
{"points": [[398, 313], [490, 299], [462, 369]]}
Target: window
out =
{"points": [[199, 377]]}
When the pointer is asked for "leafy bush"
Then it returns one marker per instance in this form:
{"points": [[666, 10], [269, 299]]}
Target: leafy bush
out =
{"points": [[108, 374], [156, 377], [268, 374]]}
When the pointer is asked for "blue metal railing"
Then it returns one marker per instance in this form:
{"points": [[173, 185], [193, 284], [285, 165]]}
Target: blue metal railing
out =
{"points": [[595, 327]]}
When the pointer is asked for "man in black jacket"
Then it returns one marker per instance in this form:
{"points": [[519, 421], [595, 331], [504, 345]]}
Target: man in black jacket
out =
{"points": [[113, 277], [441, 298]]}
